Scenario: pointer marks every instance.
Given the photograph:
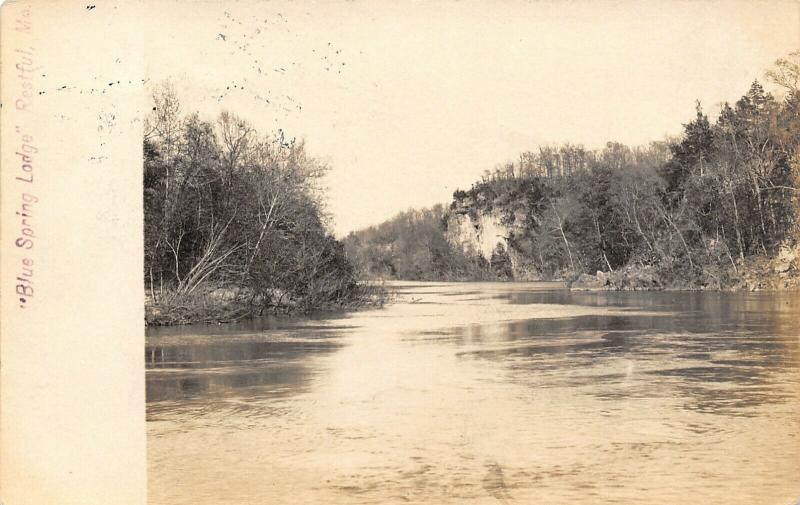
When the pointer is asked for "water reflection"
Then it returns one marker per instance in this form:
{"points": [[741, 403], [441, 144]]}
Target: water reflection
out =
{"points": [[713, 358], [217, 362], [485, 393]]}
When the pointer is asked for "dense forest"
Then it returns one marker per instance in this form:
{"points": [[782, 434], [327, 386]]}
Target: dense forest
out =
{"points": [[235, 222], [715, 208]]}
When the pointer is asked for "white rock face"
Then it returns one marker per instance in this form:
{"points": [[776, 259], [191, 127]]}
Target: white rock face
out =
{"points": [[481, 236]]}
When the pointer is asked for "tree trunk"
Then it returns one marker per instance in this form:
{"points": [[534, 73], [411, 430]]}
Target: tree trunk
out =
{"points": [[736, 225], [602, 242], [680, 235], [563, 236], [760, 204]]}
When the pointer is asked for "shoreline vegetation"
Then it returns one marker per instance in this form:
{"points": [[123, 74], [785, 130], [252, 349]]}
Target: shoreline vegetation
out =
{"points": [[220, 305], [717, 208], [235, 224]]}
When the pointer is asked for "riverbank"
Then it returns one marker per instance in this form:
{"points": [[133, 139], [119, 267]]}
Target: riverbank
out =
{"points": [[217, 306], [780, 273]]}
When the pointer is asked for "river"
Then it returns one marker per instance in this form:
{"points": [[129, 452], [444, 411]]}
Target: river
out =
{"points": [[484, 393]]}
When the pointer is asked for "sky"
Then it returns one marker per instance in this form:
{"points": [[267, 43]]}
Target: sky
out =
{"points": [[409, 101]]}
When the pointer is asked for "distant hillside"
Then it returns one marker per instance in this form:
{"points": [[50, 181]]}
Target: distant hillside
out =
{"points": [[414, 246]]}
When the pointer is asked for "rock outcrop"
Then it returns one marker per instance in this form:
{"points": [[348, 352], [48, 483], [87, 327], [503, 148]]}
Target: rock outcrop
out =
{"points": [[478, 236]]}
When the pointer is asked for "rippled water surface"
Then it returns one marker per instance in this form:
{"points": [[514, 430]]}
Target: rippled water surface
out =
{"points": [[484, 393]]}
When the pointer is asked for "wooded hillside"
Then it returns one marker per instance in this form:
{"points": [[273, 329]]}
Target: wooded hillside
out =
{"points": [[702, 210]]}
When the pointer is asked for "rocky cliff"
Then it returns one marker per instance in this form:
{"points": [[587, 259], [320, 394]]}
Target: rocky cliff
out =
{"points": [[488, 233], [477, 235]]}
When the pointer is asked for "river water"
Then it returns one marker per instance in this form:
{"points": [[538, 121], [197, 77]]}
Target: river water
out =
{"points": [[484, 393]]}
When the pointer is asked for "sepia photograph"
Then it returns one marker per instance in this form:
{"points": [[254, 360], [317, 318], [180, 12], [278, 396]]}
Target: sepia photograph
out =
{"points": [[454, 252], [425, 252]]}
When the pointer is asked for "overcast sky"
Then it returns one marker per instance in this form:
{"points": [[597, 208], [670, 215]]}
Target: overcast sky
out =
{"points": [[408, 101]]}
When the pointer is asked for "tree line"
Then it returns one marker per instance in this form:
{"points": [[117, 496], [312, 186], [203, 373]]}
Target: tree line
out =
{"points": [[694, 210]]}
